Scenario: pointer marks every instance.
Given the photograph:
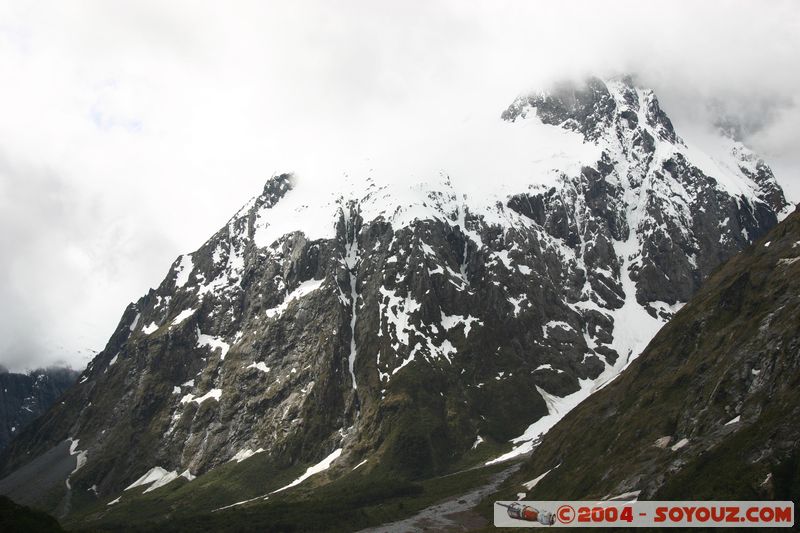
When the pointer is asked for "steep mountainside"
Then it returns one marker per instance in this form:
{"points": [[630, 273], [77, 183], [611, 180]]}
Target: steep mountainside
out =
{"points": [[405, 328], [709, 410], [23, 397]]}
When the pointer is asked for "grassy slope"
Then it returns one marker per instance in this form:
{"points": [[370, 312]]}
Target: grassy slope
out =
{"points": [[359, 499]]}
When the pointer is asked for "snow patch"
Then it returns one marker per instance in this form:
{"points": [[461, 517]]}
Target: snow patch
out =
{"points": [[517, 303], [185, 268], [555, 324], [157, 477], [662, 442], [624, 497], [535, 481], [213, 343], [733, 420], [183, 315], [451, 321], [680, 444], [147, 330], [259, 366], [304, 289], [80, 460], [246, 453], [135, 321], [312, 470], [239, 503], [214, 394], [548, 366]]}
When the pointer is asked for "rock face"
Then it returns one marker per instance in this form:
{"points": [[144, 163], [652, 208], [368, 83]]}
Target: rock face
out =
{"points": [[23, 397], [408, 324], [709, 410]]}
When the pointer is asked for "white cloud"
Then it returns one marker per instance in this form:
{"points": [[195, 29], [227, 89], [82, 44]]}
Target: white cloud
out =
{"points": [[131, 131]]}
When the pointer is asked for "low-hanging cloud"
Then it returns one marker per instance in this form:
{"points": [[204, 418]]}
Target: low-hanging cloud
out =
{"points": [[131, 131]]}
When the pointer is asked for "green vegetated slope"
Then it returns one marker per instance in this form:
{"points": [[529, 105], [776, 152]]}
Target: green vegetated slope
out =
{"points": [[365, 497]]}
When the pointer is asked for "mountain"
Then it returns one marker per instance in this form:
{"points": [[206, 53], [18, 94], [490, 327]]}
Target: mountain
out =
{"points": [[23, 397], [709, 410], [397, 331]]}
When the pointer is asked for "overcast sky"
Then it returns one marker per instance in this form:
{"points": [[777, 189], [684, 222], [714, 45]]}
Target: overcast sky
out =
{"points": [[131, 131]]}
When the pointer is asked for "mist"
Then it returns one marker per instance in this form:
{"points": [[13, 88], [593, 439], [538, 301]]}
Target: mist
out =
{"points": [[132, 131]]}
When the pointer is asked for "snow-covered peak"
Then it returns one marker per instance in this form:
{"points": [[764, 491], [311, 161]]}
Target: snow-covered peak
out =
{"points": [[596, 108], [552, 161], [627, 122], [611, 122]]}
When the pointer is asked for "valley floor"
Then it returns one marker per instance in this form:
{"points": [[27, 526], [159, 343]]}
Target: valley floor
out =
{"points": [[454, 514]]}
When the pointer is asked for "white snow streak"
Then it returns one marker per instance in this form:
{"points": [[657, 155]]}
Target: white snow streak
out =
{"points": [[147, 330], [451, 321], [214, 343], [80, 460], [312, 470], [259, 366], [680, 444], [213, 394], [305, 288], [185, 268], [246, 453], [733, 420], [183, 315], [535, 481], [135, 321], [157, 477]]}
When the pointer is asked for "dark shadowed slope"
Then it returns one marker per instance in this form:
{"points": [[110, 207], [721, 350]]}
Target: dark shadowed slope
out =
{"points": [[23, 397], [18, 519]]}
